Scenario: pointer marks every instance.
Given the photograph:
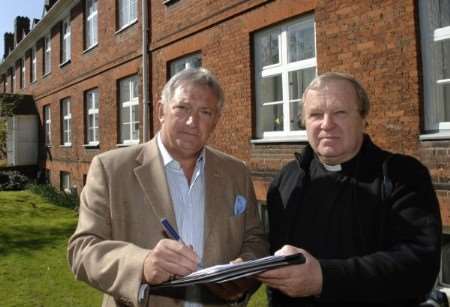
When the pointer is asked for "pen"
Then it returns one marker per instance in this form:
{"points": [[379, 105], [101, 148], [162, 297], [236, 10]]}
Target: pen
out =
{"points": [[170, 230]]}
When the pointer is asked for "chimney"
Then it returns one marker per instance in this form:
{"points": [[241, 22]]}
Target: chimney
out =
{"points": [[21, 28], [48, 4], [35, 22], [8, 43]]}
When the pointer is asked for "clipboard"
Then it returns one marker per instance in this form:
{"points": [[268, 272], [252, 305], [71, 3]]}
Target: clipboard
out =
{"points": [[228, 272]]}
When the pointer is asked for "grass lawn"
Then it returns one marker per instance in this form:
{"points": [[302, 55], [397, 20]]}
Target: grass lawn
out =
{"points": [[33, 266]]}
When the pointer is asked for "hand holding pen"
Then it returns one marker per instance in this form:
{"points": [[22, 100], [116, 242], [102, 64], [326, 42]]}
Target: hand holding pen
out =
{"points": [[169, 258]]}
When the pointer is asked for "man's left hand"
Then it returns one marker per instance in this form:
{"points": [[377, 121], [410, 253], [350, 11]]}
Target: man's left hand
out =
{"points": [[299, 280]]}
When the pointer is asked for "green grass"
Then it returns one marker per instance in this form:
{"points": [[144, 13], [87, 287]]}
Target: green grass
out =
{"points": [[33, 265], [259, 299]]}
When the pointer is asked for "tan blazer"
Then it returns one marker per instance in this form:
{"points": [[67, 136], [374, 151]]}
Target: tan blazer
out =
{"points": [[126, 195]]}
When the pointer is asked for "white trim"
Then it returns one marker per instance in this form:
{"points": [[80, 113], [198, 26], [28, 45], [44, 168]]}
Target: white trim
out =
{"points": [[441, 135], [92, 109], [443, 81], [47, 54], [129, 83], [91, 23], [47, 125], [124, 11], [281, 139], [441, 34]]}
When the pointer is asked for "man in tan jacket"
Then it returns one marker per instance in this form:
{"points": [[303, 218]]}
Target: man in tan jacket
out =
{"points": [[205, 194]]}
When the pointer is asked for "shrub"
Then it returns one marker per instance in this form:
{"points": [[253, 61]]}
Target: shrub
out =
{"points": [[67, 200], [12, 181]]}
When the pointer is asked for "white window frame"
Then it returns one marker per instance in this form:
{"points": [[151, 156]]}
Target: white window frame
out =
{"points": [[127, 13], [186, 62], [91, 24], [33, 64], [283, 68], [66, 122], [132, 103], [65, 182], [92, 110], [23, 72], [65, 40], [47, 54], [48, 125]]}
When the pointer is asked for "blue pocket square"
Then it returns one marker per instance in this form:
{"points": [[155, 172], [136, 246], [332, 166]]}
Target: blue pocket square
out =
{"points": [[240, 204]]}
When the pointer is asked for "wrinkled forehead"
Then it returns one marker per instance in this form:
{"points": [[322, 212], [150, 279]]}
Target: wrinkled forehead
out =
{"points": [[339, 92]]}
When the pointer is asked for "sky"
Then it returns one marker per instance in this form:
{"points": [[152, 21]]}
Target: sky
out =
{"points": [[9, 9]]}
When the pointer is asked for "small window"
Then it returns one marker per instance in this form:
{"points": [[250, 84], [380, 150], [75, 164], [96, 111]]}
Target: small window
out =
{"points": [[92, 124], [129, 109], [65, 184], [13, 79], [127, 10], [90, 23], [22, 72], [190, 61], [66, 117], [47, 125], [285, 63], [33, 64], [47, 54], [65, 40]]}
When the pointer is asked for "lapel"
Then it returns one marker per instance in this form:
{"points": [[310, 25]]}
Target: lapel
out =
{"points": [[152, 179], [216, 213]]}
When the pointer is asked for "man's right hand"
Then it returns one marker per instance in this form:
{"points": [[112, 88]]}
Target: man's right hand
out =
{"points": [[168, 259]]}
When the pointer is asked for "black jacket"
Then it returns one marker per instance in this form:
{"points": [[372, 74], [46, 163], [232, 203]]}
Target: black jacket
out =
{"points": [[374, 249]]}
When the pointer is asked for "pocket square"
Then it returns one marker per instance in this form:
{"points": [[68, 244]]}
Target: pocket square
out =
{"points": [[240, 204]]}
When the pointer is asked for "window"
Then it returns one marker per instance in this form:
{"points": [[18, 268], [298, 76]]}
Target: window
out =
{"points": [[33, 64], [64, 179], [47, 125], [47, 54], [65, 40], [285, 63], [435, 39], [22, 72], [90, 23], [190, 61], [66, 118], [13, 79], [92, 126], [129, 104], [127, 12]]}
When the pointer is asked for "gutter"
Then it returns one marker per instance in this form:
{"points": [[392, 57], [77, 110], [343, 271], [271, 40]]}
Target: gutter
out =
{"points": [[145, 74]]}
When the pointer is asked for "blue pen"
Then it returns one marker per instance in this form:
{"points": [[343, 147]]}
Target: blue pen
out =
{"points": [[170, 230]]}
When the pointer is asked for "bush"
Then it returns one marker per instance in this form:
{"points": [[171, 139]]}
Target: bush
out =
{"points": [[12, 181], [67, 200]]}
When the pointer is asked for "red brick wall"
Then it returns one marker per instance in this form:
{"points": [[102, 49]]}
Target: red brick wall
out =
{"points": [[377, 41], [116, 56]]}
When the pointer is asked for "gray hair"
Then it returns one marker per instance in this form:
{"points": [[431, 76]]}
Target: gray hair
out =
{"points": [[320, 81], [195, 77]]}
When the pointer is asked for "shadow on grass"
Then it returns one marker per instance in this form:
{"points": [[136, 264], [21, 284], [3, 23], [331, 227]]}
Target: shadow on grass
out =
{"points": [[25, 239]]}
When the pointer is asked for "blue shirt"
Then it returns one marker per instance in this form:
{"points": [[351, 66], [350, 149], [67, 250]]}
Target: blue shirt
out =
{"points": [[189, 205]]}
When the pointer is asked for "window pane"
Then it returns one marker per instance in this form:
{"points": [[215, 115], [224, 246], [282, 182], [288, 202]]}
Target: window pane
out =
{"points": [[298, 81], [134, 115], [133, 10], [136, 131], [295, 116], [272, 116], [300, 42], [124, 91], [191, 61], [125, 131], [444, 13], [271, 89], [135, 88], [125, 115], [445, 91], [443, 48], [270, 53]]}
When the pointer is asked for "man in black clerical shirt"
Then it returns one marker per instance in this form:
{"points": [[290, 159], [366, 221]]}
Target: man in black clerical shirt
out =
{"points": [[366, 220]]}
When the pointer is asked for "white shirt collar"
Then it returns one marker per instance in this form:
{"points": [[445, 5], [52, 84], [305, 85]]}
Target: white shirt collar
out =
{"points": [[332, 168]]}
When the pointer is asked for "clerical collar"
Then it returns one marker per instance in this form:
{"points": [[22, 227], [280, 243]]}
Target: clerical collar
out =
{"points": [[332, 168]]}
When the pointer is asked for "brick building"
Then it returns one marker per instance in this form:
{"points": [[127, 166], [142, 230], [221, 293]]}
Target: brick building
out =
{"points": [[264, 52]]}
